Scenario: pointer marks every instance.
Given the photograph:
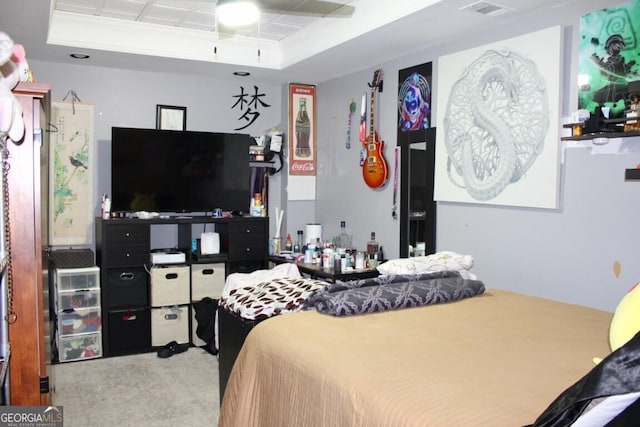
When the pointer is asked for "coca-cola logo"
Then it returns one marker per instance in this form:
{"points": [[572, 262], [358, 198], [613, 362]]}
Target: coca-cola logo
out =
{"points": [[302, 167]]}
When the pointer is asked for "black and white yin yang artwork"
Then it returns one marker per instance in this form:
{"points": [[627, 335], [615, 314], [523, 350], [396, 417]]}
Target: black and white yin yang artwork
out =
{"points": [[498, 119]]}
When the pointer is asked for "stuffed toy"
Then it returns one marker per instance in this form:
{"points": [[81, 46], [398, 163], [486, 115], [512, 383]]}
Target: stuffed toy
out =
{"points": [[19, 57], [11, 123], [626, 320]]}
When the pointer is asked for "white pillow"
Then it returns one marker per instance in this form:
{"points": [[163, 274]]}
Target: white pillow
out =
{"points": [[606, 410], [440, 261]]}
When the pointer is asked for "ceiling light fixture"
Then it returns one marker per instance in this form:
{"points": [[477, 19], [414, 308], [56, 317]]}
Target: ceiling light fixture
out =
{"points": [[237, 13]]}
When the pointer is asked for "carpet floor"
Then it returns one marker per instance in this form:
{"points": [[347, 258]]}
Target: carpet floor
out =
{"points": [[140, 390]]}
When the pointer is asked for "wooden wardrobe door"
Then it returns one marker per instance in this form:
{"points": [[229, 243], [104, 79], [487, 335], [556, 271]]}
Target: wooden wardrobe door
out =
{"points": [[28, 213]]}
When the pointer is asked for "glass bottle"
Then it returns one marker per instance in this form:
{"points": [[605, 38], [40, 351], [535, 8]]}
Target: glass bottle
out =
{"points": [[298, 245], [344, 238], [288, 244], [372, 245], [303, 130]]}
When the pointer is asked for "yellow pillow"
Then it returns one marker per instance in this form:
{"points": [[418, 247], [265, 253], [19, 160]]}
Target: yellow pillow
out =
{"points": [[626, 319]]}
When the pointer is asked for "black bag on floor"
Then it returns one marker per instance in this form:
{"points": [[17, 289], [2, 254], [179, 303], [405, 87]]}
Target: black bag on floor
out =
{"points": [[206, 318]]}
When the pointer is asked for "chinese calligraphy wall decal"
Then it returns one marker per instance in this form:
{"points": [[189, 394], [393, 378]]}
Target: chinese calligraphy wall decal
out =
{"points": [[302, 129], [249, 105]]}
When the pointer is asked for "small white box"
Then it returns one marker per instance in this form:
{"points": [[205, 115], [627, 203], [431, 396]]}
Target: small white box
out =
{"points": [[169, 286], [207, 280], [169, 324], [209, 243], [168, 257]]}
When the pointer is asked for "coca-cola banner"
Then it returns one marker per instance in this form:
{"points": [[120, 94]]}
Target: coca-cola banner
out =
{"points": [[302, 129]]}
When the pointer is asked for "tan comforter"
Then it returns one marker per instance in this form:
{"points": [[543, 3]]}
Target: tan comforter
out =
{"points": [[497, 359]]}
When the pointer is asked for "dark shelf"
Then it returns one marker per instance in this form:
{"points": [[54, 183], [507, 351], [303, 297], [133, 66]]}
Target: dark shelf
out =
{"points": [[632, 174], [602, 135]]}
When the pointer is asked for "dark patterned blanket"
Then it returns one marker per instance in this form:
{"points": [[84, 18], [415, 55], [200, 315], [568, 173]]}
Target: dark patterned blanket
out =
{"points": [[393, 292]]}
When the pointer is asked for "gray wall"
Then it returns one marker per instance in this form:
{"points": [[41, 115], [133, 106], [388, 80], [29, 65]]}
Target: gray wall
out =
{"points": [[566, 253]]}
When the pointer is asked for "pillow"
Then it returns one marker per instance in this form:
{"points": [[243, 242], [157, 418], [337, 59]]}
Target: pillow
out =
{"points": [[440, 261], [606, 410], [626, 319]]}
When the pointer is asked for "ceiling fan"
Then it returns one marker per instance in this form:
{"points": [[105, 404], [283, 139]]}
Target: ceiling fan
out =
{"points": [[233, 14]]}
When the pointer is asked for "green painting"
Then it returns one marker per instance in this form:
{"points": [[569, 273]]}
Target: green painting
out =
{"points": [[609, 57], [71, 174]]}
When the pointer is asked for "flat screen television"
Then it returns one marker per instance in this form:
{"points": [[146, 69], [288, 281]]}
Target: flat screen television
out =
{"points": [[179, 171]]}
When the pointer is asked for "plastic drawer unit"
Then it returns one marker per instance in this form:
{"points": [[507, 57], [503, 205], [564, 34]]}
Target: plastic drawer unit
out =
{"points": [[78, 313]]}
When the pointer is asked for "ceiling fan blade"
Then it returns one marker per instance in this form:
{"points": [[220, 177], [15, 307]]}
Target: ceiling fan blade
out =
{"points": [[307, 8]]}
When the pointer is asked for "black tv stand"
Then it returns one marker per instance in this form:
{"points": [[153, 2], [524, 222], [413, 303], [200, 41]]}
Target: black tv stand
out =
{"points": [[123, 247]]}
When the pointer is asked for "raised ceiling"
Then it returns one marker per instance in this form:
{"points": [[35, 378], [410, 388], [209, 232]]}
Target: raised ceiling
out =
{"points": [[181, 36]]}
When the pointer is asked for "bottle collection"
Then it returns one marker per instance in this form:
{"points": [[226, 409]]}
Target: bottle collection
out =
{"points": [[336, 254]]}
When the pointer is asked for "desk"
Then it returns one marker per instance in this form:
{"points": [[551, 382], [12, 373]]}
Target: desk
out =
{"points": [[316, 271]]}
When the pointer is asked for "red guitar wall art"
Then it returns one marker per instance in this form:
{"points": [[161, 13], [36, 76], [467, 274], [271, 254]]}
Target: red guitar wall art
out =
{"points": [[374, 169]]}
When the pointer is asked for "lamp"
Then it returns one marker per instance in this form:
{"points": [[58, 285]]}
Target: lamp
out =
{"points": [[237, 13]]}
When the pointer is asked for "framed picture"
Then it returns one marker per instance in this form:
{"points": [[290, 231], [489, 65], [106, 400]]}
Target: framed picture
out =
{"points": [[302, 129], [171, 117]]}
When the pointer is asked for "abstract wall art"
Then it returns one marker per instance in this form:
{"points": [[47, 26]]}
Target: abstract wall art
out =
{"points": [[498, 122]]}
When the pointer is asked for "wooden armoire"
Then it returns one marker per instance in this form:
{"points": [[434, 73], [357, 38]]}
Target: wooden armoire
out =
{"points": [[30, 357]]}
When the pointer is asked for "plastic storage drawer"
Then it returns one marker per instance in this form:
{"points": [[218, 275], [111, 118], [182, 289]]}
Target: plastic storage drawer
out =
{"points": [[79, 321], [129, 330], [127, 288], [78, 347], [169, 286], [207, 280], [72, 279], [169, 324], [78, 299]]}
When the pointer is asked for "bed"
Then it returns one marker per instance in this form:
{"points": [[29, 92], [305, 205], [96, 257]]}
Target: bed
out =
{"points": [[497, 359], [434, 349]]}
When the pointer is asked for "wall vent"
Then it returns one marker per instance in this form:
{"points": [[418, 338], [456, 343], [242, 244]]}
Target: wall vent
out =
{"points": [[487, 9]]}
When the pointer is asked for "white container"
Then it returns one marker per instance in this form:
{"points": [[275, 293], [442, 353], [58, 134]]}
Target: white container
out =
{"points": [[209, 243], [207, 280], [169, 324], [169, 285]]}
